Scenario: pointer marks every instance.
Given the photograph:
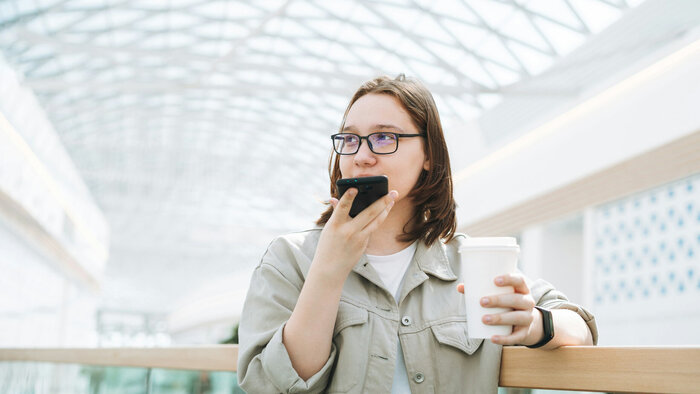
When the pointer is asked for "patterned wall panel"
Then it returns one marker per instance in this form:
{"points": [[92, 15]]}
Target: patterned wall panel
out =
{"points": [[646, 253]]}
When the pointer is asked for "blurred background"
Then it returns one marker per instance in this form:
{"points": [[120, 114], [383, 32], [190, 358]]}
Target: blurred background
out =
{"points": [[150, 151]]}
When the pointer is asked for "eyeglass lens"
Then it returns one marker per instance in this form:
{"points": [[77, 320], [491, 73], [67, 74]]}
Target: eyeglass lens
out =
{"points": [[347, 144]]}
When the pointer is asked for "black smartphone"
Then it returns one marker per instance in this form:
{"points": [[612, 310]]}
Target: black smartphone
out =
{"points": [[370, 189]]}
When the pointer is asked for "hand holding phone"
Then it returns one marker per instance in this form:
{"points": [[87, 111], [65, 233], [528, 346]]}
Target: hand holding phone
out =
{"points": [[370, 189]]}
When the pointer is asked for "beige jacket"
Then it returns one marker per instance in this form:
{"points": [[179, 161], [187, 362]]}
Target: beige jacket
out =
{"points": [[429, 319]]}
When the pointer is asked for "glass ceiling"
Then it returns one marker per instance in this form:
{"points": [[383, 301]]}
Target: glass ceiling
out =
{"points": [[201, 127]]}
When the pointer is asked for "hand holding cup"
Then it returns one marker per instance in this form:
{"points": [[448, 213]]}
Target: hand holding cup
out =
{"points": [[520, 306]]}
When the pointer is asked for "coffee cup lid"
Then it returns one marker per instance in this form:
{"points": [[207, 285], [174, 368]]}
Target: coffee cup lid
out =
{"points": [[490, 241]]}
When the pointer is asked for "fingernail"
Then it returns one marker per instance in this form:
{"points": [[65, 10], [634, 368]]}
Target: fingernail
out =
{"points": [[499, 280], [394, 194], [487, 319], [484, 301]]}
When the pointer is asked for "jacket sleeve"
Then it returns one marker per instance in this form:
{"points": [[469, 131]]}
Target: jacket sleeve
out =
{"points": [[264, 365], [547, 296]]}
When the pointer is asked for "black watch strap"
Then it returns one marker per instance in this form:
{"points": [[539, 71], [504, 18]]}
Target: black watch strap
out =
{"points": [[548, 328]]}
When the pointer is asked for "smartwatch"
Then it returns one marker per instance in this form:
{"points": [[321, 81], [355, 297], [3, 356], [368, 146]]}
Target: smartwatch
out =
{"points": [[548, 328]]}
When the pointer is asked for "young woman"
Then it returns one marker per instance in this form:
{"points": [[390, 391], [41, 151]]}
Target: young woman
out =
{"points": [[371, 303]]}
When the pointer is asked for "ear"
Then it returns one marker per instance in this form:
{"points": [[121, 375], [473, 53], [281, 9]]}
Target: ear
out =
{"points": [[426, 164]]}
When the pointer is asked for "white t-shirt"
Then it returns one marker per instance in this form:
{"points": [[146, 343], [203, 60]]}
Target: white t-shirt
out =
{"points": [[391, 270]]}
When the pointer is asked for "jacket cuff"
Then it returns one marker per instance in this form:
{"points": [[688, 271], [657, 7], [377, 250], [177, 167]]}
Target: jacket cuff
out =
{"points": [[585, 315], [278, 367]]}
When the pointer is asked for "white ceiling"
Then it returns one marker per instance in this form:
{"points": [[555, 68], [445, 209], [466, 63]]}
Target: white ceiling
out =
{"points": [[201, 127]]}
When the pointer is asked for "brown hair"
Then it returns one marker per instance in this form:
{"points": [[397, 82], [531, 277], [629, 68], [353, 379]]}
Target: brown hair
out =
{"points": [[434, 215]]}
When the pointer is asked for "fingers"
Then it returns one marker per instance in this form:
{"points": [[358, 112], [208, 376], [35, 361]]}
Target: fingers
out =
{"points": [[342, 206], [379, 219], [516, 338], [333, 201], [513, 301], [370, 213], [514, 318], [513, 279]]}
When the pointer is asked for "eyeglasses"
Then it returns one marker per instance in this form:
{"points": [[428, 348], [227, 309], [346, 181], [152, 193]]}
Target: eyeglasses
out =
{"points": [[381, 143]]}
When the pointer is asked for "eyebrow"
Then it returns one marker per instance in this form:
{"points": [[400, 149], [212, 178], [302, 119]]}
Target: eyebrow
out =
{"points": [[376, 127]]}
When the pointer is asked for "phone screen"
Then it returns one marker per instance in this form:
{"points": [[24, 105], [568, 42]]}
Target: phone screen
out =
{"points": [[370, 189]]}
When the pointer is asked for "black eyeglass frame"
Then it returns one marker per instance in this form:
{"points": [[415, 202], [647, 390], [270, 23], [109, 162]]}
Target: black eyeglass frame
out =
{"points": [[397, 135]]}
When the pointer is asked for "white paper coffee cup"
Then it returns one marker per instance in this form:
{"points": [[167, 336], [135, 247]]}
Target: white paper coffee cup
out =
{"points": [[483, 259]]}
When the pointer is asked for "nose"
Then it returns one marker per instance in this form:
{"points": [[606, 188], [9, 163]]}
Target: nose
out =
{"points": [[364, 156]]}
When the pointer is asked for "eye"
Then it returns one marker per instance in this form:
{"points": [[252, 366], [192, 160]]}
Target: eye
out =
{"points": [[349, 139], [384, 138]]}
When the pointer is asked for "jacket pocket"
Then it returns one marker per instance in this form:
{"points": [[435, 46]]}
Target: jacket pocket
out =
{"points": [[351, 337], [349, 315], [455, 334]]}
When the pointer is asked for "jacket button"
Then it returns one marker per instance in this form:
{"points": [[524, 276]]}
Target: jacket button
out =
{"points": [[418, 378], [406, 321]]}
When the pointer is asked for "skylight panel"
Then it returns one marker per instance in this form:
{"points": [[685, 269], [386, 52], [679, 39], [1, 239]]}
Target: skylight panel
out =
{"points": [[428, 27], [122, 37], [341, 9], [7, 11], [326, 28], [522, 29], [489, 100], [178, 39], [180, 20], [462, 108], [316, 46], [361, 16], [597, 14], [352, 35], [60, 20], [355, 69], [535, 62], [455, 10], [558, 11], [564, 40], [447, 53], [401, 17], [291, 28], [341, 54], [410, 49], [302, 9], [211, 9], [426, 72], [502, 75], [120, 17], [387, 37], [260, 43], [469, 36], [239, 9], [312, 64], [493, 13], [492, 48]]}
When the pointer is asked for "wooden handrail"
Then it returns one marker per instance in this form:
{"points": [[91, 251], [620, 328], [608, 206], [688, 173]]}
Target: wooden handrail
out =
{"points": [[194, 358], [590, 368], [619, 369]]}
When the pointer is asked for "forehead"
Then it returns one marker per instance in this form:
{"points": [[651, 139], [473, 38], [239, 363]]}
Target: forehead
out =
{"points": [[374, 109]]}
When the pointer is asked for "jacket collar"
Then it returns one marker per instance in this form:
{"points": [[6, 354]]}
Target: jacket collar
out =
{"points": [[433, 260]]}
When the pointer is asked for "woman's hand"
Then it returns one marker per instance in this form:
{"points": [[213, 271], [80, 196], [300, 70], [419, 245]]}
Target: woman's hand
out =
{"points": [[344, 239], [526, 321]]}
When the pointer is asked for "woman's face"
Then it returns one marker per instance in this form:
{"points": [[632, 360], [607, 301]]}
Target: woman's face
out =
{"points": [[382, 112]]}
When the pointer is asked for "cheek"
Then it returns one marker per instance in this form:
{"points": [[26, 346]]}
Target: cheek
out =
{"points": [[345, 165]]}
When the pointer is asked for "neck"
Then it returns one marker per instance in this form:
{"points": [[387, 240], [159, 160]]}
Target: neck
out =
{"points": [[383, 241]]}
